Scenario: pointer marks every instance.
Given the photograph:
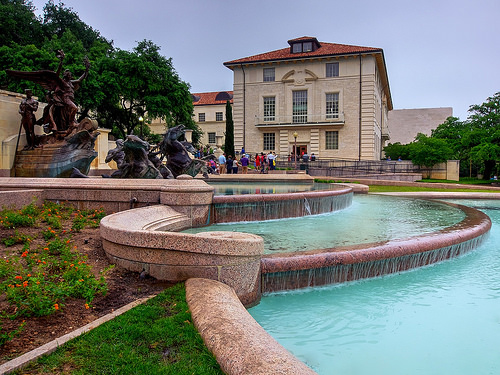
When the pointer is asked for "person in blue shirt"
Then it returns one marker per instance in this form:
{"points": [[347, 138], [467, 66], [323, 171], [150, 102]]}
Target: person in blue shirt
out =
{"points": [[222, 163]]}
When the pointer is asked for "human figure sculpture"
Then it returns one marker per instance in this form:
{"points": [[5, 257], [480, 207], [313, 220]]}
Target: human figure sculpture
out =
{"points": [[27, 109]]}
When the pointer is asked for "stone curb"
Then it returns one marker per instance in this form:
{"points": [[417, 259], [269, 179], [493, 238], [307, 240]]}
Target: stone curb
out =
{"points": [[51, 346]]}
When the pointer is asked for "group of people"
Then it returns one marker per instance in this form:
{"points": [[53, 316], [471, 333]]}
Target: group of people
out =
{"points": [[231, 165], [265, 162]]}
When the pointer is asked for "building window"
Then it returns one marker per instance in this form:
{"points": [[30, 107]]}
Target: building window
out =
{"points": [[218, 116], [211, 138], [332, 105], [332, 140], [201, 117], [299, 107], [269, 141], [307, 47], [268, 74], [269, 108], [297, 48], [332, 69]]}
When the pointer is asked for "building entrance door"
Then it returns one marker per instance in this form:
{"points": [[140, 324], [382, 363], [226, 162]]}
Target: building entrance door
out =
{"points": [[300, 150]]}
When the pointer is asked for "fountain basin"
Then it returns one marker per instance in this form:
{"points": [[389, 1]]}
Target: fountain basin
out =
{"points": [[285, 271], [257, 207], [145, 239]]}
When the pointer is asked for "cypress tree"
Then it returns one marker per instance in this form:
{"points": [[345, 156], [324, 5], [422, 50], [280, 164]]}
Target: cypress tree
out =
{"points": [[229, 141]]}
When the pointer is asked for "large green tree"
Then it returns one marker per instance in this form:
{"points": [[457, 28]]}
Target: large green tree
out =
{"points": [[483, 139], [142, 83], [427, 151], [121, 87], [58, 19], [19, 24], [475, 141]]}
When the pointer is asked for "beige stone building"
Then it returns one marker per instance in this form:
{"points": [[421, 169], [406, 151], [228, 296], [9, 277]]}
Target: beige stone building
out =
{"points": [[210, 115], [405, 124], [332, 99]]}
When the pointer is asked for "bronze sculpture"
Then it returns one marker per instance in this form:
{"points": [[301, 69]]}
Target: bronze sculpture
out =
{"points": [[135, 159], [68, 144], [27, 110]]}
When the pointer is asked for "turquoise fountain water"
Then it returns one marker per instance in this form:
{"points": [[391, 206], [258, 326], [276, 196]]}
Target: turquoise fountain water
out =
{"points": [[440, 319], [368, 219]]}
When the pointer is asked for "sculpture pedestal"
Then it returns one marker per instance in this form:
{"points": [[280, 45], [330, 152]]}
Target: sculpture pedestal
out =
{"points": [[52, 160]]}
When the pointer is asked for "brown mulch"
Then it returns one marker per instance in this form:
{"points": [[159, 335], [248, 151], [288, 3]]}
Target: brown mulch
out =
{"points": [[123, 287]]}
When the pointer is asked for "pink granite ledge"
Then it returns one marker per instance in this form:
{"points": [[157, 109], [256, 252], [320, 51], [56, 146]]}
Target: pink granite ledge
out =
{"points": [[151, 227], [238, 342], [473, 226]]}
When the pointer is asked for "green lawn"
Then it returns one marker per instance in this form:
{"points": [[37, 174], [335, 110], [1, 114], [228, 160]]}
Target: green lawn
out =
{"points": [[390, 189], [157, 337]]}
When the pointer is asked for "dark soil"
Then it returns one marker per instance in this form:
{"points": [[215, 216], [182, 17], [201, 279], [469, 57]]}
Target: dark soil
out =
{"points": [[123, 287]]}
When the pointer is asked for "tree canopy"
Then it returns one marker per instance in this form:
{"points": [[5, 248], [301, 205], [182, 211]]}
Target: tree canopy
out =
{"points": [[122, 85], [475, 141], [141, 83]]}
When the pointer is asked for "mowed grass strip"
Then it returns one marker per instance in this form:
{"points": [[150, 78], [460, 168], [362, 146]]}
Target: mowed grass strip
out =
{"points": [[391, 189], [157, 337]]}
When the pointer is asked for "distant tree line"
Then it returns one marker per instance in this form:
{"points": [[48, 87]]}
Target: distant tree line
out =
{"points": [[475, 141], [122, 85]]}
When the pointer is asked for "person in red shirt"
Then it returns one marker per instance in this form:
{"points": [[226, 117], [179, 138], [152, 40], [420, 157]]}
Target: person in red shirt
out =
{"points": [[257, 162]]}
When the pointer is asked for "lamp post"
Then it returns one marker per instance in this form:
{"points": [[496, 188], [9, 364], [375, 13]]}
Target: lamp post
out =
{"points": [[295, 135], [141, 120]]}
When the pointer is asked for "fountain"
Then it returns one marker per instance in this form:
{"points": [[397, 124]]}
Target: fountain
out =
{"points": [[435, 320], [149, 238]]}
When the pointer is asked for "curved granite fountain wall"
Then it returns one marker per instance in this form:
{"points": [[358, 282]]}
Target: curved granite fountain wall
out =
{"points": [[147, 238], [327, 266], [256, 207]]}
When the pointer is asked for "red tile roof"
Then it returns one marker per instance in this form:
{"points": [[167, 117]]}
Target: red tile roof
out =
{"points": [[325, 49], [211, 98]]}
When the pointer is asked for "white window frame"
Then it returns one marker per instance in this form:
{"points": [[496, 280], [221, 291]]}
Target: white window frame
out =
{"points": [[299, 107], [332, 105], [268, 74], [332, 140], [269, 141], [201, 117], [211, 136], [332, 69], [219, 116], [269, 103]]}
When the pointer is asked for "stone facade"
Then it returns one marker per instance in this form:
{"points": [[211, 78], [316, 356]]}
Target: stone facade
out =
{"points": [[356, 123], [210, 115], [405, 124]]}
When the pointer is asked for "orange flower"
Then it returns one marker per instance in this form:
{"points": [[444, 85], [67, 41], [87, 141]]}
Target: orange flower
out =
{"points": [[86, 305], [25, 284], [56, 306], [19, 277]]}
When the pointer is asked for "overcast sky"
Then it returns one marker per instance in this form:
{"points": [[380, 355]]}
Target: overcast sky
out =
{"points": [[439, 53]]}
